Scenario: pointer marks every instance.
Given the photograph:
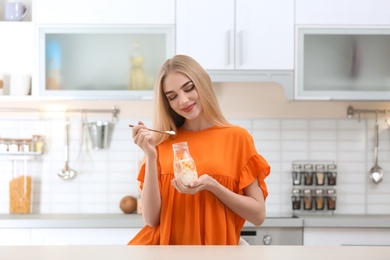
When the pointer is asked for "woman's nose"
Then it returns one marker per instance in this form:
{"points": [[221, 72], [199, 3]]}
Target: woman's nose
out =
{"points": [[183, 99]]}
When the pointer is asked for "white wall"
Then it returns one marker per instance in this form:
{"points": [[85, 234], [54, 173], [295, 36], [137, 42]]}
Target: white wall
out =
{"points": [[283, 130]]}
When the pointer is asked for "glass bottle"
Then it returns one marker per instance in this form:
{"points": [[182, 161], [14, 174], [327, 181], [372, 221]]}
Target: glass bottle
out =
{"points": [[38, 143], [308, 174], [331, 174], [184, 165]]}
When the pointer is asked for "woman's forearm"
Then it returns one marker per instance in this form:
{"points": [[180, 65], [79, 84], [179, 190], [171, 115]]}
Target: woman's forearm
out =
{"points": [[250, 206], [150, 197]]}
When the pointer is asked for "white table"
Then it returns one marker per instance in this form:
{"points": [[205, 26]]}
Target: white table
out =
{"points": [[194, 252]]}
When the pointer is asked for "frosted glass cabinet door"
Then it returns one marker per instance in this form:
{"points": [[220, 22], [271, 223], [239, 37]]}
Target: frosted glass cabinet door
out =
{"points": [[111, 62]]}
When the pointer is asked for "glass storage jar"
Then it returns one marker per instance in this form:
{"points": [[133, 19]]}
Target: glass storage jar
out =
{"points": [[331, 199], [319, 199], [20, 189], [184, 165], [296, 199], [308, 174], [331, 174], [320, 175], [307, 199], [296, 174]]}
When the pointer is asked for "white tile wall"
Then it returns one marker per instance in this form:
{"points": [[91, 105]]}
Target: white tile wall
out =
{"points": [[112, 172]]}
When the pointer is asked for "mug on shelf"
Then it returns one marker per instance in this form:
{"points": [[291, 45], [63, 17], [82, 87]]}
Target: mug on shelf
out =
{"points": [[20, 85], [14, 11]]}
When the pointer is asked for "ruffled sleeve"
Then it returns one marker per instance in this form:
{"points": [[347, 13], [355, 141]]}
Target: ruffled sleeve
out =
{"points": [[256, 167]]}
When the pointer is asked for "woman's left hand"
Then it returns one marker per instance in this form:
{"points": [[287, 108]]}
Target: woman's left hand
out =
{"points": [[202, 183]]}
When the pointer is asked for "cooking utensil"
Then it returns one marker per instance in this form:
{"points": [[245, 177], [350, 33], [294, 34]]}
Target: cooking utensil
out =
{"points": [[376, 172], [84, 161], [162, 132], [67, 173]]}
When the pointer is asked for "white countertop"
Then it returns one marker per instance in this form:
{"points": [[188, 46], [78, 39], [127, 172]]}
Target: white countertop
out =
{"points": [[136, 221], [194, 252]]}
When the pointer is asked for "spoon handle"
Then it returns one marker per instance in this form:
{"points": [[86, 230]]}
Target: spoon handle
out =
{"points": [[157, 131]]}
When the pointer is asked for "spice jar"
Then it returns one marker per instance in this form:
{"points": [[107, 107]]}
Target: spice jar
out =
{"points": [[331, 199], [13, 146], [20, 189], [331, 174], [308, 174], [296, 175], [3, 145], [184, 165], [296, 199], [319, 199], [37, 143], [307, 199], [320, 174]]}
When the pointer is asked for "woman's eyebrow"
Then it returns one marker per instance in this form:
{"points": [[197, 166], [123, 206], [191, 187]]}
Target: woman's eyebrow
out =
{"points": [[185, 84]]}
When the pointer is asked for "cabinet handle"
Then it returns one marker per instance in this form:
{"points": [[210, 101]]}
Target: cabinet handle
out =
{"points": [[228, 47], [240, 47]]}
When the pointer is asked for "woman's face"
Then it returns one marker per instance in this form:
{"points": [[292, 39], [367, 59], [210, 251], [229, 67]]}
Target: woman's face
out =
{"points": [[182, 95]]}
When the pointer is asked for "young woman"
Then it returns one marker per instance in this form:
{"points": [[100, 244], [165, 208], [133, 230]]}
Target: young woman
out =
{"points": [[230, 189]]}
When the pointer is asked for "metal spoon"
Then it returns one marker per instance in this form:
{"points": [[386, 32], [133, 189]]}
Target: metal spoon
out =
{"points": [[67, 173], [376, 172]]}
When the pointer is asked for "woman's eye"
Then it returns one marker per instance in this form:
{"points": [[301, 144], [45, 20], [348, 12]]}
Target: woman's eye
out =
{"points": [[189, 88], [170, 98]]}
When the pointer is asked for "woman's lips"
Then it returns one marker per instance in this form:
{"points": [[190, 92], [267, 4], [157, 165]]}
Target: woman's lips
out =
{"points": [[188, 108]]}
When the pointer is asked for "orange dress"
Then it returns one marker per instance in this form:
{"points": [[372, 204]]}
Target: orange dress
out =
{"points": [[227, 154]]}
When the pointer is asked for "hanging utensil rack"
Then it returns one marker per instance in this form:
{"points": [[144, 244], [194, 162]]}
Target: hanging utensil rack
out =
{"points": [[351, 112]]}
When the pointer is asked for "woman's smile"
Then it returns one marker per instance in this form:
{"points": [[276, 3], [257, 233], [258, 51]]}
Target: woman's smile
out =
{"points": [[188, 109]]}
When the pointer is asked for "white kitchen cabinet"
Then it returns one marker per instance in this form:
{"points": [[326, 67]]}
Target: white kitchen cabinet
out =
{"points": [[16, 50], [346, 236], [82, 236], [346, 12], [237, 34], [14, 237], [104, 12]]}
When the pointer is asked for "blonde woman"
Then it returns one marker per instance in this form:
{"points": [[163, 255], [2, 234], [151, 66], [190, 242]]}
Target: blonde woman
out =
{"points": [[230, 189]]}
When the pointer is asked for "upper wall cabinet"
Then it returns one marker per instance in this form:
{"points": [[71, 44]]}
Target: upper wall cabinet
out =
{"points": [[346, 12], [237, 34], [105, 12]]}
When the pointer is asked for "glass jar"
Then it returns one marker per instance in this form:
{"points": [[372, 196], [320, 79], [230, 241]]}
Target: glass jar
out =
{"points": [[296, 199], [308, 174], [13, 146], [296, 174], [331, 174], [331, 199], [184, 165], [3, 145], [320, 175], [307, 199], [319, 199], [20, 189], [37, 143]]}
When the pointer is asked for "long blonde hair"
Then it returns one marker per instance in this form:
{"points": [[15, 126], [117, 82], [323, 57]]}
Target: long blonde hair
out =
{"points": [[164, 116]]}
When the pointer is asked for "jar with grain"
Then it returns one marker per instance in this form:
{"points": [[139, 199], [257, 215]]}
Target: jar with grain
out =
{"points": [[319, 199], [320, 174], [308, 174], [20, 189], [331, 174], [307, 199], [331, 199]]}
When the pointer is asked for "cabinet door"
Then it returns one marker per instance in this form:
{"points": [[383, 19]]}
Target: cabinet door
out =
{"points": [[346, 236], [205, 31], [82, 236], [346, 12], [14, 237], [105, 12], [265, 34]]}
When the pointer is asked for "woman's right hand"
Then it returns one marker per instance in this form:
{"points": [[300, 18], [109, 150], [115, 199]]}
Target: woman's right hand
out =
{"points": [[143, 138]]}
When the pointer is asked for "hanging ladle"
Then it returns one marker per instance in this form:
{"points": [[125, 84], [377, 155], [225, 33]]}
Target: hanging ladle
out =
{"points": [[376, 172], [67, 173]]}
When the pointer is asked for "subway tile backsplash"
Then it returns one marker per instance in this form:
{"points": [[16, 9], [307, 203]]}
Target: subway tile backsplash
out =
{"points": [[110, 174]]}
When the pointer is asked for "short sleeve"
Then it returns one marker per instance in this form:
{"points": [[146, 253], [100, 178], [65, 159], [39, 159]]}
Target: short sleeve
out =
{"points": [[256, 167]]}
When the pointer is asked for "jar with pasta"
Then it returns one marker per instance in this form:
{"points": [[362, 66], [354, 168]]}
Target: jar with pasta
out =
{"points": [[20, 189]]}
